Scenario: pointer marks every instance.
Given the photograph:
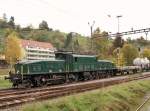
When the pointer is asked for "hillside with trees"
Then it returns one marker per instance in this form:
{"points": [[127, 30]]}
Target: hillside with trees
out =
{"points": [[60, 40], [117, 50]]}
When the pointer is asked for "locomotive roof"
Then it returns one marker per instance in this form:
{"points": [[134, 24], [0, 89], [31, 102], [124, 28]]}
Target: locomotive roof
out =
{"points": [[74, 54], [77, 55], [35, 61]]}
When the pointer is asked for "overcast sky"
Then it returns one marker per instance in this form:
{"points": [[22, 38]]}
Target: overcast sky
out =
{"points": [[74, 15]]}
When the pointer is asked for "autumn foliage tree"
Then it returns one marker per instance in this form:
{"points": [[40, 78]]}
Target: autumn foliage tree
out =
{"points": [[101, 44], [146, 53], [129, 53], [13, 50], [120, 60]]}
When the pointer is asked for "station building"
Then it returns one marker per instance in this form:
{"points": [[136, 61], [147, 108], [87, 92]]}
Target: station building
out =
{"points": [[35, 50]]}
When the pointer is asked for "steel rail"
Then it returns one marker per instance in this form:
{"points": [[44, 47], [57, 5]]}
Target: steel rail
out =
{"points": [[142, 105], [17, 99]]}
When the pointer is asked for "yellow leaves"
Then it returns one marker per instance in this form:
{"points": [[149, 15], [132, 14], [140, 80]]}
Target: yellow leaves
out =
{"points": [[130, 53], [13, 51], [120, 60], [125, 55], [146, 53]]}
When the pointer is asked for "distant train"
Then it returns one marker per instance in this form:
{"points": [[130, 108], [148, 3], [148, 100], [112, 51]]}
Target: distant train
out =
{"points": [[66, 67]]}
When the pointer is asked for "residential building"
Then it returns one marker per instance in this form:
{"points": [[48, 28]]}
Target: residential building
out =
{"points": [[35, 50]]}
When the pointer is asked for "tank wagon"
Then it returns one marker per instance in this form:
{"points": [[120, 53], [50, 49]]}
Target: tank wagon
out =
{"points": [[66, 67]]}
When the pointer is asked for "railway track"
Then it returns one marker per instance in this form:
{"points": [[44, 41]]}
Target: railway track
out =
{"points": [[143, 104], [16, 97]]}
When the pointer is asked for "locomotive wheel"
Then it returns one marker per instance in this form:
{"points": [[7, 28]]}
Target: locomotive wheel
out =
{"points": [[76, 78], [87, 76], [43, 82], [40, 81], [37, 82], [73, 78], [27, 84], [14, 85], [97, 75], [93, 75]]}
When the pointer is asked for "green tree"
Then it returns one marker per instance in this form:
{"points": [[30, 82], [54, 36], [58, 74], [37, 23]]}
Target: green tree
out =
{"points": [[43, 25], [101, 43], [3, 23], [118, 42], [69, 42], [11, 22], [2, 45], [76, 42], [27, 28], [129, 40], [129, 53], [141, 41], [76, 45]]}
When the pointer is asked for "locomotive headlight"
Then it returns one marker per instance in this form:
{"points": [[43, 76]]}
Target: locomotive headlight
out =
{"points": [[17, 72], [43, 79], [60, 70]]}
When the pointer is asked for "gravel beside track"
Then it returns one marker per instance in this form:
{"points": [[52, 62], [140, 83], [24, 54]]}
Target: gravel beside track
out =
{"points": [[14, 97]]}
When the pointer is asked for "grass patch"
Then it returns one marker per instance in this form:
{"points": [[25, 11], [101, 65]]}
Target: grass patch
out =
{"points": [[4, 83], [123, 97]]}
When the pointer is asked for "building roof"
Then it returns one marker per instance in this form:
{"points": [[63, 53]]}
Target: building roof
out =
{"points": [[31, 43], [36, 61], [77, 55]]}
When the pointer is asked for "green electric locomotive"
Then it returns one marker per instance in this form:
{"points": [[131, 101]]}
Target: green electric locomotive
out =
{"points": [[66, 67]]}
